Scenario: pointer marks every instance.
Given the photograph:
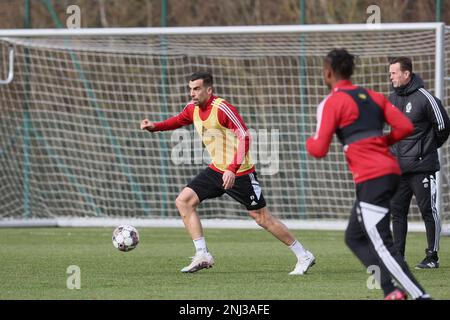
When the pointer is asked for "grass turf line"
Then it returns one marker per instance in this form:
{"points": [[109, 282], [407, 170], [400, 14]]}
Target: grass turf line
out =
{"points": [[250, 265]]}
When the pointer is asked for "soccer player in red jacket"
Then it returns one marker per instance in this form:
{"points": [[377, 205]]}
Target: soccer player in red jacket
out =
{"points": [[357, 116], [231, 171]]}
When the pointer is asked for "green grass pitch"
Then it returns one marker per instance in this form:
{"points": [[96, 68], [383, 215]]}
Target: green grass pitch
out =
{"points": [[250, 265]]}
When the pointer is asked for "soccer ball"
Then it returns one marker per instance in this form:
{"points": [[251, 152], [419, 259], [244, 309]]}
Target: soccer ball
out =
{"points": [[125, 237]]}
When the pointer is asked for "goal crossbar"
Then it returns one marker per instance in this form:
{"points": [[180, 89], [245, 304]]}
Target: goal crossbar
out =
{"points": [[219, 30]]}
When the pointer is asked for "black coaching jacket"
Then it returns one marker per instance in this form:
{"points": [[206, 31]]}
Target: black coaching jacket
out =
{"points": [[418, 152]]}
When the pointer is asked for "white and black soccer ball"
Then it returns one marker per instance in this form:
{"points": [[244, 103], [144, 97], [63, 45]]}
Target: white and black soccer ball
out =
{"points": [[125, 238]]}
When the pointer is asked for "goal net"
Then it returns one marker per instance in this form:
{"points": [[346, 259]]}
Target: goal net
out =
{"points": [[70, 142]]}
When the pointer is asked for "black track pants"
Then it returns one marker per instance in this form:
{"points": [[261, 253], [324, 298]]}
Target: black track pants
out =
{"points": [[423, 186], [368, 235]]}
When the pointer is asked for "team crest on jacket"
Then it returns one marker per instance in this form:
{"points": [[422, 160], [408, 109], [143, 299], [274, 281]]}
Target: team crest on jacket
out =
{"points": [[362, 96], [408, 107]]}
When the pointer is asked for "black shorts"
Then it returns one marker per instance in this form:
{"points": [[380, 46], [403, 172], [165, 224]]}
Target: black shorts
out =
{"points": [[246, 190]]}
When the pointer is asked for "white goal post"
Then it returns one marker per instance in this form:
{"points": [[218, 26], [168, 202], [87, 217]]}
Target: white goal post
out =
{"points": [[71, 101]]}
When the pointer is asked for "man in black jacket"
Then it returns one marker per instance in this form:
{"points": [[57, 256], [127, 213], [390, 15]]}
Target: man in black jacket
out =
{"points": [[418, 157]]}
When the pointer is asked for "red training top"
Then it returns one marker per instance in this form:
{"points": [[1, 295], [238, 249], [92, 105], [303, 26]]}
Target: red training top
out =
{"points": [[228, 117], [368, 158]]}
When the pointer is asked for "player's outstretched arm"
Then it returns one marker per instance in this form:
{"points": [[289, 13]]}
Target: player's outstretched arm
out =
{"points": [[184, 118], [147, 125]]}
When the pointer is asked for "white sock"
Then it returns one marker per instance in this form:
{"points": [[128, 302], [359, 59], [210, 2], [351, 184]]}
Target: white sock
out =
{"points": [[298, 249], [200, 244]]}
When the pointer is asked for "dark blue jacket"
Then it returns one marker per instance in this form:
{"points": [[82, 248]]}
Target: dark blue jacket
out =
{"points": [[418, 152]]}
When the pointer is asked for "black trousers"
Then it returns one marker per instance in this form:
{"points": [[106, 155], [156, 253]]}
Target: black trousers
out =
{"points": [[423, 186], [369, 236]]}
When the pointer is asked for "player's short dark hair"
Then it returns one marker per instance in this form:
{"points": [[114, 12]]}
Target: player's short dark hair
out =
{"points": [[405, 63], [205, 76], [341, 62]]}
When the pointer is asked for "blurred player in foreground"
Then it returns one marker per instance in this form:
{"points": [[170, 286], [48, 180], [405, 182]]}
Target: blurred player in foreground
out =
{"points": [[357, 116]]}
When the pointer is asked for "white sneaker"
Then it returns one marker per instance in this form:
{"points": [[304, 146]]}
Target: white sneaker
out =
{"points": [[201, 260], [304, 264]]}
